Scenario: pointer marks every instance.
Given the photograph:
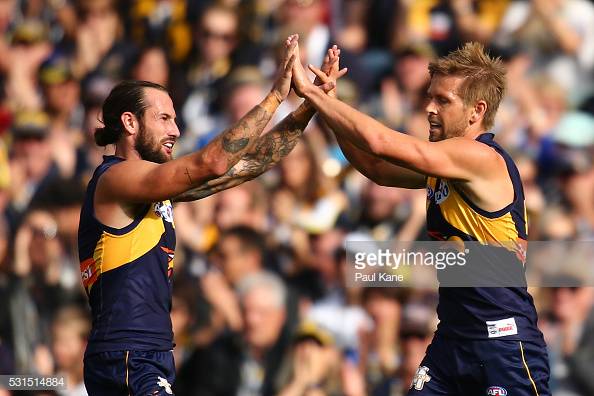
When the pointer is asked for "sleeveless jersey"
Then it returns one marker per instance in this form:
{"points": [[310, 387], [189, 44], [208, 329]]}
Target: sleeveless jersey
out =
{"points": [[127, 273], [484, 312]]}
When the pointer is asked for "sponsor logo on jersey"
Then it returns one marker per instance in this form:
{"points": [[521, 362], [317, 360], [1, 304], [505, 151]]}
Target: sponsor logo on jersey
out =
{"points": [[501, 328]]}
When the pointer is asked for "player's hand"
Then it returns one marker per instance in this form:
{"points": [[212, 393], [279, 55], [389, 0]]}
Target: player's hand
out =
{"points": [[330, 69], [300, 80], [282, 84]]}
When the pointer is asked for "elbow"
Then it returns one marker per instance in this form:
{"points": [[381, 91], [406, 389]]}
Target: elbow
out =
{"points": [[376, 145]]}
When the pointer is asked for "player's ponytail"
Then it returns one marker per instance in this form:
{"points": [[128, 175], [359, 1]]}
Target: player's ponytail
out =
{"points": [[126, 96]]}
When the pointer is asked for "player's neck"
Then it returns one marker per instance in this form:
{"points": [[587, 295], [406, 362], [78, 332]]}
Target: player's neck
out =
{"points": [[124, 150]]}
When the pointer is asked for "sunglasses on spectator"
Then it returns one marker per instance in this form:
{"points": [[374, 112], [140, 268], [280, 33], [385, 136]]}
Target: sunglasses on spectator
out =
{"points": [[222, 36]]}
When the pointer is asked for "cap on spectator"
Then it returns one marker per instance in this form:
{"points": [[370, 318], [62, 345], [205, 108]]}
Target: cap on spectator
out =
{"points": [[30, 124], [55, 70], [575, 129], [309, 330], [418, 48], [29, 32]]}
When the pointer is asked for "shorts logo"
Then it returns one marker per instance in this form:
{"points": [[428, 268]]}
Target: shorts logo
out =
{"points": [[163, 383], [496, 391], [501, 328], [165, 211], [421, 376]]}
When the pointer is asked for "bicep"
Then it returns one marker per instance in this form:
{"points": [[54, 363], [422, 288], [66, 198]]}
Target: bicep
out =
{"points": [[144, 181], [456, 158]]}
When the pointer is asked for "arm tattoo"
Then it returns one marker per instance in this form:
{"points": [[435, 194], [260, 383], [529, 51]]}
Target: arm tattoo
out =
{"points": [[235, 141], [267, 151], [233, 146], [189, 177]]}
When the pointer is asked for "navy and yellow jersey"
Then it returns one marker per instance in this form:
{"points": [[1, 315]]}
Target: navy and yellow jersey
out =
{"points": [[484, 312], [127, 273]]}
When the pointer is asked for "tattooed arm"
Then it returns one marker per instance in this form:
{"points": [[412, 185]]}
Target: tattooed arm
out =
{"points": [[267, 151], [277, 143], [136, 180]]}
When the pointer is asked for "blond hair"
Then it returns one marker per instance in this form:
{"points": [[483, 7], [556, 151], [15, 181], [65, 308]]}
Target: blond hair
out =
{"points": [[484, 77]]}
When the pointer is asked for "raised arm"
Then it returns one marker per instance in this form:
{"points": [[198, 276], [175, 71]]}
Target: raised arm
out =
{"points": [[143, 181], [274, 145], [379, 170], [268, 150], [440, 159], [376, 169]]}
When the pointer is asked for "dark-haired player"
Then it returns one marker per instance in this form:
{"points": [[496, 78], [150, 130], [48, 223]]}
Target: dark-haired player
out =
{"points": [[126, 231]]}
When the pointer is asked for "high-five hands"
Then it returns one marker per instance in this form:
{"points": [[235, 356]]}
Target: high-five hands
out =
{"points": [[282, 84], [325, 78]]}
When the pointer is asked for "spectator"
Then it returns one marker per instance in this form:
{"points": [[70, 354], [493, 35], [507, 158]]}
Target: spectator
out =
{"points": [[70, 331], [230, 366]]}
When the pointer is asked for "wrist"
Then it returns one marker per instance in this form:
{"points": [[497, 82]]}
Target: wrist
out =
{"points": [[304, 112], [274, 97]]}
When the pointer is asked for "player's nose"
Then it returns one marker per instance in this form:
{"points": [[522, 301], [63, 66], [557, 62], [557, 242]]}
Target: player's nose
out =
{"points": [[430, 108]]}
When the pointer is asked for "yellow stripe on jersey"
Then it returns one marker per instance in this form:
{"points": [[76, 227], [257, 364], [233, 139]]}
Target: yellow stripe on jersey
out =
{"points": [[113, 251], [485, 229]]}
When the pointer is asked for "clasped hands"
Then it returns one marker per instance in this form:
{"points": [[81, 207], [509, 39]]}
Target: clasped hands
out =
{"points": [[292, 74]]}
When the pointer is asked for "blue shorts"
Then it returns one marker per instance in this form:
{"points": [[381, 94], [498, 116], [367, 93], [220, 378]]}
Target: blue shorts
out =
{"points": [[482, 367], [135, 373]]}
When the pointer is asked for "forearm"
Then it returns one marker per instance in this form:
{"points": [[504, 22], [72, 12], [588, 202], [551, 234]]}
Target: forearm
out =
{"points": [[228, 148], [345, 121], [360, 160], [268, 150], [363, 132]]}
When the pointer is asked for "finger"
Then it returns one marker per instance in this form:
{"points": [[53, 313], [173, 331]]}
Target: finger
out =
{"points": [[290, 50], [329, 86], [320, 74], [326, 65], [289, 65], [342, 73]]}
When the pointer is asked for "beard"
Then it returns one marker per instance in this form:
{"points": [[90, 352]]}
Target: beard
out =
{"points": [[148, 148], [456, 129]]}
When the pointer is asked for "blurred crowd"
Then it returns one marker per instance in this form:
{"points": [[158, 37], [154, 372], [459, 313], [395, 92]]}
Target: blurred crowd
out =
{"points": [[260, 303]]}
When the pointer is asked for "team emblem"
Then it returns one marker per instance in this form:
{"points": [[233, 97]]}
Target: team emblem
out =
{"points": [[442, 192], [165, 211], [421, 376], [163, 383]]}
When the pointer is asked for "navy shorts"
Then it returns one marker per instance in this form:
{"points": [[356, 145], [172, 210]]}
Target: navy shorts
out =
{"points": [[135, 373], [482, 367]]}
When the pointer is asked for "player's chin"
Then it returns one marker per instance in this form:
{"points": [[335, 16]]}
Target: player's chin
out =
{"points": [[435, 135]]}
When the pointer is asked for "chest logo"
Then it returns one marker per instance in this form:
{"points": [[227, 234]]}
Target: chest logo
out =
{"points": [[440, 194], [164, 210]]}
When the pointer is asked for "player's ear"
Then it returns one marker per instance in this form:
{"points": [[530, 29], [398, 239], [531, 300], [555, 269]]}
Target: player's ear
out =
{"points": [[129, 122], [478, 112]]}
